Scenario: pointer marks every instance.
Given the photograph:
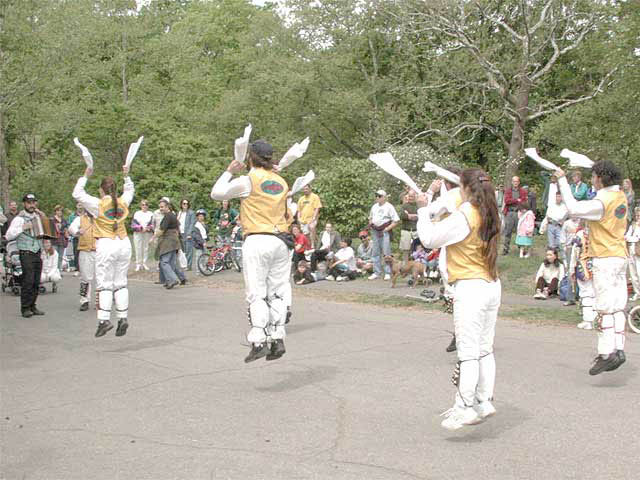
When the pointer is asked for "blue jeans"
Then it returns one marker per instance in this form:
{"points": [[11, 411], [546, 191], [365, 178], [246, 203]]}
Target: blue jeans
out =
{"points": [[169, 271], [381, 246], [188, 251], [553, 235]]}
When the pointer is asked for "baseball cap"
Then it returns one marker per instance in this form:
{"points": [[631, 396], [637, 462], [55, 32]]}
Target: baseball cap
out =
{"points": [[262, 148], [29, 197], [381, 193]]}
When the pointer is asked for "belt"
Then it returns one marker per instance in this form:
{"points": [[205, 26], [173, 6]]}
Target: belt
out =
{"points": [[29, 252]]}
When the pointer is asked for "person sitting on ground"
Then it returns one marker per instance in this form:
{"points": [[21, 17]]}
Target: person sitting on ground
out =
{"points": [[302, 244], [50, 270], [549, 274], [304, 275], [364, 262], [329, 245], [524, 231], [344, 266]]}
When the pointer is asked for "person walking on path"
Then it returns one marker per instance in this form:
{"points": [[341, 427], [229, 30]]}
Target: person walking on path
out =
{"points": [[168, 239]]}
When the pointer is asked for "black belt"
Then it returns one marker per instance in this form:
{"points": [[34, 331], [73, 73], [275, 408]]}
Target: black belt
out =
{"points": [[29, 252]]}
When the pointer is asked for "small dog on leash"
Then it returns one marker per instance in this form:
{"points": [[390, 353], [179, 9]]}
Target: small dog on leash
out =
{"points": [[416, 269]]}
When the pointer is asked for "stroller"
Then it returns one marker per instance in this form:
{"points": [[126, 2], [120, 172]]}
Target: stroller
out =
{"points": [[11, 268]]}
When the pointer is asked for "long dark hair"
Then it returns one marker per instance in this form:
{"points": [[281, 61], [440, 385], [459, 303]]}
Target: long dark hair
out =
{"points": [[480, 194], [108, 186]]}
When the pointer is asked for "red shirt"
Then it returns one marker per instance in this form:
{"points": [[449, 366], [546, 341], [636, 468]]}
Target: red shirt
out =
{"points": [[302, 243]]}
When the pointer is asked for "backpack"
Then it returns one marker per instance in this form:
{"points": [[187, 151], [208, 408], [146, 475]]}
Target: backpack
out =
{"points": [[563, 289]]}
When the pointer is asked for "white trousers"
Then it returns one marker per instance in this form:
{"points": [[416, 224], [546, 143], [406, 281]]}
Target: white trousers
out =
{"points": [[112, 263], [634, 271], [87, 262], [475, 311], [141, 244], [266, 265], [52, 276], [610, 289], [587, 300]]}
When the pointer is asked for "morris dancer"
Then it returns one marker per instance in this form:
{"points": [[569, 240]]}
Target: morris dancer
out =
{"points": [[83, 228], [266, 259], [471, 235], [606, 217], [113, 248]]}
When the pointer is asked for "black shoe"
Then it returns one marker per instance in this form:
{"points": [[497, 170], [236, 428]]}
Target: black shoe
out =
{"points": [[452, 345], [621, 359], [35, 311], [604, 364], [277, 350], [84, 307], [169, 286], [288, 318], [258, 350], [27, 313], [122, 327], [183, 281], [103, 328]]}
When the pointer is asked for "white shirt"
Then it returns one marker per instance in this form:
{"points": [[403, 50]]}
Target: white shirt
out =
{"points": [[381, 214], [549, 272], [143, 218], [446, 202], [181, 216], [325, 240], [452, 229], [15, 228], [49, 262], [203, 231], [92, 204], [568, 232], [556, 212], [588, 209], [348, 256], [227, 188]]}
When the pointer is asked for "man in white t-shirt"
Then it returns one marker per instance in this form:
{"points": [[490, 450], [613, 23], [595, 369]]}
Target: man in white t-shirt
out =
{"points": [[344, 265], [142, 226], [382, 219]]}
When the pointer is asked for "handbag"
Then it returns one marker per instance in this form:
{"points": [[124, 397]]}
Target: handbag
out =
{"points": [[182, 259]]}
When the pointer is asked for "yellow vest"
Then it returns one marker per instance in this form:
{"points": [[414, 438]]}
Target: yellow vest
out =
{"points": [[87, 241], [103, 227], [454, 195], [465, 260], [263, 211], [606, 236]]}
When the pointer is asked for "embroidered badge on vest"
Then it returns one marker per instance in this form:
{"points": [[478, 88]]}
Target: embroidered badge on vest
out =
{"points": [[621, 211], [271, 187], [110, 214]]}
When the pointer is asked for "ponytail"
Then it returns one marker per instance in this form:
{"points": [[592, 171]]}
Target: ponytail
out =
{"points": [[481, 195], [108, 186]]}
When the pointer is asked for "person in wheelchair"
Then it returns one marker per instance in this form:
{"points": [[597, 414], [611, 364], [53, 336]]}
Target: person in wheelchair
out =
{"points": [[50, 271]]}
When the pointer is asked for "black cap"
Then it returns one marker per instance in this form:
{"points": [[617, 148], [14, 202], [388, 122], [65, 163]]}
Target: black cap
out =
{"points": [[262, 148], [29, 197]]}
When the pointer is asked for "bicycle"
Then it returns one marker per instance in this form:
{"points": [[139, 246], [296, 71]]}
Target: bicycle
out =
{"points": [[633, 318], [218, 259]]}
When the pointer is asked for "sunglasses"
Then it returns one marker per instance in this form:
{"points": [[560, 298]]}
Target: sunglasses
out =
{"points": [[362, 238]]}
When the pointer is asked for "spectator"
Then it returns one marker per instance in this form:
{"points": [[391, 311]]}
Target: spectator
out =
{"points": [[186, 220], [549, 274], [344, 265], [532, 202], [579, 190], [627, 188], [329, 245], [301, 245], [526, 224], [364, 262], [633, 238], [62, 235], [304, 275], [382, 219], [199, 235], [225, 227], [168, 237], [142, 226], [567, 236], [557, 213], [309, 206], [513, 197], [409, 217], [74, 240], [50, 269], [3, 219], [224, 208], [12, 211]]}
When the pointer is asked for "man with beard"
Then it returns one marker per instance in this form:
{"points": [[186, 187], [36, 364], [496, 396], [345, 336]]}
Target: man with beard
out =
{"points": [[24, 229]]}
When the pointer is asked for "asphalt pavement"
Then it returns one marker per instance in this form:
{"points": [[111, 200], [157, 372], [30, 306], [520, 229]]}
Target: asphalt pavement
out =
{"points": [[357, 395]]}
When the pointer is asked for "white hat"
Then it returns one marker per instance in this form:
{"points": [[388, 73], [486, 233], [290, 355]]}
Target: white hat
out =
{"points": [[381, 193]]}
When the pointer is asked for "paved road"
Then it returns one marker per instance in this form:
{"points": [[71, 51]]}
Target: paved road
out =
{"points": [[357, 396]]}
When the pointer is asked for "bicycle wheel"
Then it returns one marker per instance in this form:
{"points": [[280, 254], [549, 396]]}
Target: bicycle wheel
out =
{"points": [[204, 266], [228, 261], [219, 265], [633, 319]]}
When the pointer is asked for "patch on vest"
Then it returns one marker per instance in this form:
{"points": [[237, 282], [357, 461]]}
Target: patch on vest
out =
{"points": [[111, 215], [621, 211], [271, 187]]}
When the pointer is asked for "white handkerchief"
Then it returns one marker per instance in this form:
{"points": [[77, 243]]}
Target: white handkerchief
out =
{"points": [[241, 145], [533, 154], [302, 182], [133, 150], [86, 154], [441, 172], [294, 153], [387, 163], [576, 160]]}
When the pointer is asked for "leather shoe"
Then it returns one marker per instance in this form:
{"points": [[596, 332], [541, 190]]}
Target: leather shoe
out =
{"points": [[27, 313], [277, 350], [103, 328], [84, 307], [35, 311]]}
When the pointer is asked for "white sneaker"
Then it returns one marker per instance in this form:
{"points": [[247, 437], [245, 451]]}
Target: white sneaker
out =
{"points": [[138, 268], [145, 267], [340, 279], [457, 417], [484, 410], [387, 277], [330, 278], [373, 276], [585, 325], [538, 295], [76, 274]]}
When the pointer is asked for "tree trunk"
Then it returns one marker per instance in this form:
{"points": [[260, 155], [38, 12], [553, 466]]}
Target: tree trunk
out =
{"points": [[517, 134], [4, 166]]}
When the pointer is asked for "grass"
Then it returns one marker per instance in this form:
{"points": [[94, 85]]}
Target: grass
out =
{"points": [[518, 274], [571, 316]]}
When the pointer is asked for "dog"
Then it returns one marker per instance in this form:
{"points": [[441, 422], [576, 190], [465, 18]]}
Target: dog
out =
{"points": [[416, 269]]}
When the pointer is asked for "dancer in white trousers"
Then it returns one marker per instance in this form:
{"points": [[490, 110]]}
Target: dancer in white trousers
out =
{"points": [[113, 248], [83, 228], [606, 217], [471, 235], [266, 258]]}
